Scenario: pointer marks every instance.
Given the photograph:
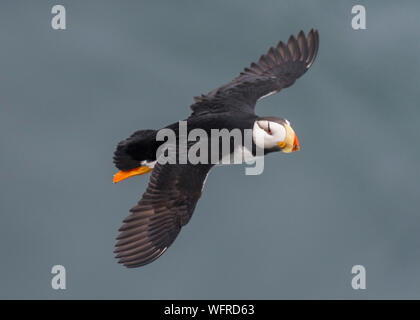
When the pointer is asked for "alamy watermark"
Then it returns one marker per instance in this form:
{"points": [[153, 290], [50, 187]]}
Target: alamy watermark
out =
{"points": [[222, 147]]}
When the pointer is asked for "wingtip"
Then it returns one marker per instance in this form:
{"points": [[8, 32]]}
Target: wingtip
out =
{"points": [[316, 36], [313, 45]]}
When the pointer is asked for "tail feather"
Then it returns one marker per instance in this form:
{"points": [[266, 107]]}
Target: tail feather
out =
{"points": [[140, 146]]}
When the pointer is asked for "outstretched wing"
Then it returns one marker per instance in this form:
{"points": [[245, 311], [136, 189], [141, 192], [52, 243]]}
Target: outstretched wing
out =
{"points": [[277, 69], [165, 207]]}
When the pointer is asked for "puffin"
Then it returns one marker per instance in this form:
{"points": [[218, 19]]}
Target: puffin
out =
{"points": [[174, 188]]}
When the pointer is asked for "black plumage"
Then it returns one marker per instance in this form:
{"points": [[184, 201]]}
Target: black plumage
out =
{"points": [[174, 189], [165, 207]]}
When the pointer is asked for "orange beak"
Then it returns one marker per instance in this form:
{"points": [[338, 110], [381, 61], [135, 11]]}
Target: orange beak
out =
{"points": [[122, 175], [296, 146]]}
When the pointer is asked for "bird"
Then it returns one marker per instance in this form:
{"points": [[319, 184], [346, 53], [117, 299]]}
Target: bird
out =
{"points": [[174, 189]]}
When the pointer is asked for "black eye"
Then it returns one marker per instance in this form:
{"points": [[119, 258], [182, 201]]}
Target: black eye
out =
{"points": [[269, 130]]}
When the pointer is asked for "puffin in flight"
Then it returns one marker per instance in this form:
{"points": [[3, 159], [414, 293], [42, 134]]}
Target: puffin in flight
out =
{"points": [[174, 189]]}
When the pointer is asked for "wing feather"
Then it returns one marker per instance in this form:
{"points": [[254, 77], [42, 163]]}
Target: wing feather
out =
{"points": [[157, 219], [277, 69]]}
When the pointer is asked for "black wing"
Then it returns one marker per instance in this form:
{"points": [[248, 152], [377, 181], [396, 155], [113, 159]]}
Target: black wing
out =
{"points": [[165, 207], [277, 69]]}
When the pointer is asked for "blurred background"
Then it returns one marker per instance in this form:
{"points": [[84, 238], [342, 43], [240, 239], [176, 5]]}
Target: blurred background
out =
{"points": [[350, 196]]}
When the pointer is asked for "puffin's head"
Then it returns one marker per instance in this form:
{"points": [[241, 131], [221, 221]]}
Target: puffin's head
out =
{"points": [[276, 134]]}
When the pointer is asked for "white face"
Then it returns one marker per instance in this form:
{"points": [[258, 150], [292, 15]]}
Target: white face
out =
{"points": [[268, 134], [272, 135]]}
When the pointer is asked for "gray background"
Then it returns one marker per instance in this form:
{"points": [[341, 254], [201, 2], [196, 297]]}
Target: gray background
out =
{"points": [[351, 196]]}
